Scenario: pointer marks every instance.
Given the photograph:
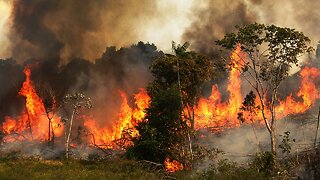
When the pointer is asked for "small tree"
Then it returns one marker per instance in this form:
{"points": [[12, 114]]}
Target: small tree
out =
{"points": [[51, 108], [271, 51], [162, 133], [249, 110], [77, 102]]}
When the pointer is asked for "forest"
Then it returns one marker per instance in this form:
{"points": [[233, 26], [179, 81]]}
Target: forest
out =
{"points": [[240, 101]]}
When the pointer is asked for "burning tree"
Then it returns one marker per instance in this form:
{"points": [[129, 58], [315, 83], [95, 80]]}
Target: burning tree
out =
{"points": [[271, 51]]}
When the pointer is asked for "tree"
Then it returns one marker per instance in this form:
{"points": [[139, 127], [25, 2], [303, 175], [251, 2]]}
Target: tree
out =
{"points": [[51, 108], [271, 51], [249, 110], [188, 70], [162, 133], [77, 102]]}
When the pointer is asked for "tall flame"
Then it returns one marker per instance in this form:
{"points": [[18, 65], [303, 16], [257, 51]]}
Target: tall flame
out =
{"points": [[32, 123], [212, 112], [33, 119]]}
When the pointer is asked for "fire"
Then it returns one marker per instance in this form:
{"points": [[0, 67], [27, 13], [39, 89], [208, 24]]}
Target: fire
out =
{"points": [[212, 112], [128, 118], [32, 124], [308, 93], [172, 166], [142, 101]]}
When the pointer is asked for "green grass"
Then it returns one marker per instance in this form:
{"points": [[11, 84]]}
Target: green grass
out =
{"points": [[73, 169]]}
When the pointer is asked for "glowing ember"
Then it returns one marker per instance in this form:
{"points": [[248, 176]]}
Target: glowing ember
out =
{"points": [[172, 166]]}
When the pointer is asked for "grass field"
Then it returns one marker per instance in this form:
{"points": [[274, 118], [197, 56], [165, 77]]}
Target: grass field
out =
{"points": [[73, 169]]}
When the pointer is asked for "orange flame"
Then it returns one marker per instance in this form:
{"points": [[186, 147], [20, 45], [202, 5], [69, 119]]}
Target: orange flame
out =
{"points": [[33, 119], [32, 123], [308, 93], [127, 120], [212, 112], [172, 166]]}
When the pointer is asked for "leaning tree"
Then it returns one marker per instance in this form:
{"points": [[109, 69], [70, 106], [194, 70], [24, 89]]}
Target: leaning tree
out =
{"points": [[270, 53]]}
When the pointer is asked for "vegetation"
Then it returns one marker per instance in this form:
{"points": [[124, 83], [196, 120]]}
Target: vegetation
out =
{"points": [[73, 169], [166, 130], [270, 53], [186, 69], [163, 132], [77, 102]]}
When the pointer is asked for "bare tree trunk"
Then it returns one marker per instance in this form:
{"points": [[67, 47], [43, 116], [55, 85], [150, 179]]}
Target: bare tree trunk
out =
{"points": [[190, 145], [315, 138], [49, 132], [69, 133], [273, 146], [52, 137], [273, 128], [192, 117]]}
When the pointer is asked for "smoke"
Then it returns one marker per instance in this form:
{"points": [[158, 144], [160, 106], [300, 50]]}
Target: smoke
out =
{"points": [[70, 29], [213, 19], [241, 144]]}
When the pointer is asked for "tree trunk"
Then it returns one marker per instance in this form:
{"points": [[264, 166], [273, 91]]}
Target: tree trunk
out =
{"points": [[69, 133], [273, 146], [273, 128], [52, 137], [316, 136], [49, 132], [192, 117]]}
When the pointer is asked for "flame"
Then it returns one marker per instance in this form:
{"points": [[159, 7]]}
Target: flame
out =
{"points": [[308, 93], [212, 112], [33, 119], [128, 118], [142, 101], [32, 123], [172, 166]]}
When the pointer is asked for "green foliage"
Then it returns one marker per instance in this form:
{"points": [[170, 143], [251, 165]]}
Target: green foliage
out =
{"points": [[248, 105], [263, 162], [163, 132], [194, 70], [188, 70], [285, 143]]}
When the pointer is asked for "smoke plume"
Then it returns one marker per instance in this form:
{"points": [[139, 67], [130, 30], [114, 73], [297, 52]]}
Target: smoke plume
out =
{"points": [[70, 29], [216, 18]]}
